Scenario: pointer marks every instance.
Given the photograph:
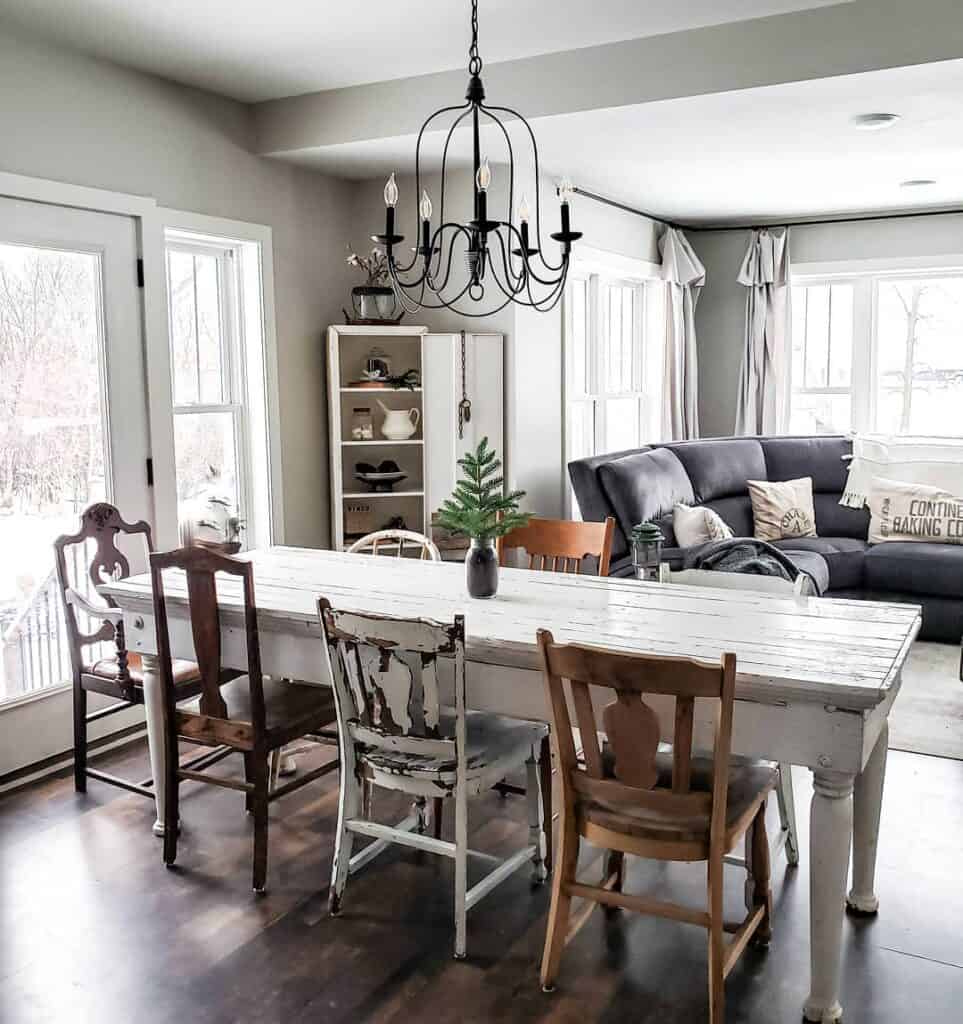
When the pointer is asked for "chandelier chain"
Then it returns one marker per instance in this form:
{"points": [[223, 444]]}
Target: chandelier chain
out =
{"points": [[474, 60]]}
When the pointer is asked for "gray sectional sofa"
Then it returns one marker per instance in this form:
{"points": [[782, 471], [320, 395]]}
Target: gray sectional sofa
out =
{"points": [[644, 484]]}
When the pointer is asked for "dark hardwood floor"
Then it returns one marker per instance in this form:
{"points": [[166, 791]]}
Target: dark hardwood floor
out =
{"points": [[93, 928]]}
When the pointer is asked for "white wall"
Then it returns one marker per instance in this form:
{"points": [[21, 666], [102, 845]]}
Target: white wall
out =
{"points": [[720, 315], [87, 122], [533, 349]]}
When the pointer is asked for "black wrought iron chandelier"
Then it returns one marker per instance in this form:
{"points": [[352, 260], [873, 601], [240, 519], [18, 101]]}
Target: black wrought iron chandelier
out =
{"points": [[503, 262]]}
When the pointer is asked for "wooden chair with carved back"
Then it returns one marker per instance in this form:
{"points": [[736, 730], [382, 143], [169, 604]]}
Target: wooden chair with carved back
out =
{"points": [[117, 674], [400, 542], [239, 708], [561, 545], [396, 734], [627, 797]]}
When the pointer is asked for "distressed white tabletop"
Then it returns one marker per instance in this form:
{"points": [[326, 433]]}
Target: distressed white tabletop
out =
{"points": [[845, 653]]}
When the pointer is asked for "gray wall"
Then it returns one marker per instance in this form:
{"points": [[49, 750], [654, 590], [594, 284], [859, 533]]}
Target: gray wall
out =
{"points": [[720, 315], [87, 122]]}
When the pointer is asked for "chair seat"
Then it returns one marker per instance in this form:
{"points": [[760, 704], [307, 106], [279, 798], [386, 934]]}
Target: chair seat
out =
{"points": [[288, 707], [185, 672], [750, 782], [493, 743]]}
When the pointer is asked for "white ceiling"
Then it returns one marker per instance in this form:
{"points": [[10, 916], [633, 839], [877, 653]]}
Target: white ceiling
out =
{"points": [[782, 151], [255, 50]]}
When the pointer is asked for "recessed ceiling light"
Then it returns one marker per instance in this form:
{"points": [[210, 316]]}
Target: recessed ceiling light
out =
{"points": [[874, 122], [917, 183]]}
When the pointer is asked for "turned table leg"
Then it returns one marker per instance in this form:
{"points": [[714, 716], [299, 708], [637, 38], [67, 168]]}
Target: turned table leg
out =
{"points": [[154, 711], [831, 829], [867, 804]]}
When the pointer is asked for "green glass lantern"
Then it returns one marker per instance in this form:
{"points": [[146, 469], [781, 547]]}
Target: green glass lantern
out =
{"points": [[647, 541]]}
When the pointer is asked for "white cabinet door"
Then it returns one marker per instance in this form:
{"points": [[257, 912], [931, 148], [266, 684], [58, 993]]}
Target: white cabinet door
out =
{"points": [[73, 430], [484, 385]]}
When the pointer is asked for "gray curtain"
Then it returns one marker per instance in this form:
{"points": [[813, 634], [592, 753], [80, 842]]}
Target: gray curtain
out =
{"points": [[763, 406], [684, 277]]}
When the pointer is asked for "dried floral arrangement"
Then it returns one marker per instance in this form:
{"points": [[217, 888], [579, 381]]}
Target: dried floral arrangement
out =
{"points": [[374, 266]]}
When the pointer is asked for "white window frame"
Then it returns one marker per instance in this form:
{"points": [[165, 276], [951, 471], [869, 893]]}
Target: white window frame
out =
{"points": [[597, 269], [865, 277], [251, 359]]}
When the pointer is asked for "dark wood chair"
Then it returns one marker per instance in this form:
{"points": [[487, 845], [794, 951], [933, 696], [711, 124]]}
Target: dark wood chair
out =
{"points": [[240, 710], [627, 797], [118, 673], [560, 545]]}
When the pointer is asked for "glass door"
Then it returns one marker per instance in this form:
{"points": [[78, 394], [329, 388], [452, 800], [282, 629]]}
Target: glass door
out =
{"points": [[73, 429]]}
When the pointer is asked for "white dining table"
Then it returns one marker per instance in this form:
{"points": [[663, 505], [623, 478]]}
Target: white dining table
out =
{"points": [[816, 678]]}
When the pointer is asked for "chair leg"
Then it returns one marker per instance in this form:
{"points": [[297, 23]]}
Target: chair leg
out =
{"points": [[259, 767], [461, 869], [80, 738], [437, 804], [349, 803], [787, 813], [717, 982], [171, 802], [758, 884], [533, 798], [545, 788], [249, 779], [561, 907]]}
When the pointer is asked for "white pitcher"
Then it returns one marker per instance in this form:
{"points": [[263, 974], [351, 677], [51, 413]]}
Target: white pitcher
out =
{"points": [[399, 424]]}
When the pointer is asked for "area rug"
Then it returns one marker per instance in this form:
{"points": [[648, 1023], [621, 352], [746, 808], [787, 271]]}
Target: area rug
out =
{"points": [[927, 717]]}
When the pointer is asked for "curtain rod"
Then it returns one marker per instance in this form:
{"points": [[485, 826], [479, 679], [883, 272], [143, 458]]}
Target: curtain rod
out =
{"points": [[854, 219]]}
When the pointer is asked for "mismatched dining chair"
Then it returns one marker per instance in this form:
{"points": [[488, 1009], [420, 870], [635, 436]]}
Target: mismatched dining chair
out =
{"points": [[116, 673], [239, 709], [627, 797], [398, 541], [397, 734], [560, 545]]}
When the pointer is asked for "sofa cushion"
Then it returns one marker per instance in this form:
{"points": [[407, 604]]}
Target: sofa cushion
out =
{"points": [[720, 469], [844, 557], [818, 457], [915, 567], [645, 486], [735, 512], [835, 520]]}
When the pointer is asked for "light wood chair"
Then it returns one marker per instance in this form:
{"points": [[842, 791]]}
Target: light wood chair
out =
{"points": [[401, 539], [396, 734], [627, 797], [560, 545], [788, 837], [244, 712], [117, 674]]}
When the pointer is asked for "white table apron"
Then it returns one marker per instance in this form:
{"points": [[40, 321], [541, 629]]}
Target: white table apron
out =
{"points": [[816, 680]]}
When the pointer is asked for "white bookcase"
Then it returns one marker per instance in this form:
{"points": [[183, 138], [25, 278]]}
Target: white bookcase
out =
{"points": [[429, 456]]}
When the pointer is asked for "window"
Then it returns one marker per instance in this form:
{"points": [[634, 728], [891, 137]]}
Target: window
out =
{"points": [[611, 377], [878, 351], [218, 378]]}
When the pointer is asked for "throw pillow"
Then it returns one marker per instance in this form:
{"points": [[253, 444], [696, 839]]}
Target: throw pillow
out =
{"points": [[934, 461], [908, 511], [697, 525], [783, 508]]}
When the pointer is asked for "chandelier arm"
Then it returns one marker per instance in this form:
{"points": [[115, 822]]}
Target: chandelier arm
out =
{"points": [[458, 229], [515, 285], [511, 159], [538, 202], [530, 272], [542, 304]]}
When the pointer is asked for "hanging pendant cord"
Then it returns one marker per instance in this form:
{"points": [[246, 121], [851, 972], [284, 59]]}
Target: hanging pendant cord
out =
{"points": [[474, 61]]}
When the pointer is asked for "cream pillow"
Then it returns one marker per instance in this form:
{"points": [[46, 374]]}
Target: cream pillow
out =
{"points": [[908, 511], [783, 508], [697, 525]]}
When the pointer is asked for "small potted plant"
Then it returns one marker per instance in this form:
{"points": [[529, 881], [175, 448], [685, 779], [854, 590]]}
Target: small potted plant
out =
{"points": [[374, 300], [480, 510]]}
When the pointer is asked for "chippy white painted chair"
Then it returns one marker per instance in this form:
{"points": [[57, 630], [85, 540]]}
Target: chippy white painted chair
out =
{"points": [[395, 733], [802, 587], [388, 538]]}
